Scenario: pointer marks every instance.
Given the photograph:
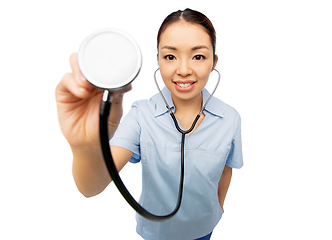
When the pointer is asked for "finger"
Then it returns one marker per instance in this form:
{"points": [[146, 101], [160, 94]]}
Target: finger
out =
{"points": [[116, 110], [115, 115], [80, 79], [127, 89], [68, 89]]}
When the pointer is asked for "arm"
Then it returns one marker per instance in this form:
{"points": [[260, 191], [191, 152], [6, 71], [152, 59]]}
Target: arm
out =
{"points": [[89, 170], [224, 183], [78, 112]]}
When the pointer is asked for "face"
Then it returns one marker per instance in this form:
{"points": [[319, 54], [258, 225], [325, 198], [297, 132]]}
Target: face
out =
{"points": [[185, 59]]}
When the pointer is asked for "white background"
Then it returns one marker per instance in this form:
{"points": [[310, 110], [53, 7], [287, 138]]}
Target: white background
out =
{"points": [[275, 59]]}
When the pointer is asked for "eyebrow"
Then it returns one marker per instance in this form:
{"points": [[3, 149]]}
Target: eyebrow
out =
{"points": [[193, 49], [169, 47], [199, 47]]}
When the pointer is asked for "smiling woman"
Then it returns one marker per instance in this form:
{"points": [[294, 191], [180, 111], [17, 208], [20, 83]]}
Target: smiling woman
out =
{"points": [[186, 56]]}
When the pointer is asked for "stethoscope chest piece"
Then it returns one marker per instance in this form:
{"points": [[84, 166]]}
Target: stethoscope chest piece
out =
{"points": [[109, 59]]}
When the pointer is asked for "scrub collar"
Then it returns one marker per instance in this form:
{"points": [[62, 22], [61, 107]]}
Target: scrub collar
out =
{"points": [[213, 107]]}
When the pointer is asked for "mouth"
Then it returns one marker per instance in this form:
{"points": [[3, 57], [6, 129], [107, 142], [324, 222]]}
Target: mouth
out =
{"points": [[184, 85]]}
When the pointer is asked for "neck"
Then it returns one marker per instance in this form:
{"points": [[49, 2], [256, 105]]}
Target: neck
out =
{"points": [[186, 110]]}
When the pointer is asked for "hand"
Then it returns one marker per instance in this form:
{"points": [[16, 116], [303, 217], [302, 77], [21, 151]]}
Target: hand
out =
{"points": [[78, 108]]}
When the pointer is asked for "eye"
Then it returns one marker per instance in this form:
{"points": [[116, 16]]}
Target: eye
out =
{"points": [[199, 57], [169, 57]]}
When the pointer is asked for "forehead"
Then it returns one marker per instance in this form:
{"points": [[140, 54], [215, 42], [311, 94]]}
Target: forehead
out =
{"points": [[185, 35]]}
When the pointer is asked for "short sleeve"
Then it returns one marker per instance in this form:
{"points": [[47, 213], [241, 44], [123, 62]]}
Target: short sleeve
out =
{"points": [[235, 157], [127, 134]]}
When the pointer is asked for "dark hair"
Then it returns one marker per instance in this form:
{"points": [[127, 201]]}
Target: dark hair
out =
{"points": [[190, 16]]}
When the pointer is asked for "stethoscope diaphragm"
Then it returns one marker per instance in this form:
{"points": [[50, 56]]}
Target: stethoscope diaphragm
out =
{"points": [[109, 59]]}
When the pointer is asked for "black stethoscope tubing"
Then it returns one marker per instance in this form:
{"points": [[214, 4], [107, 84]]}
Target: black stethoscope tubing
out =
{"points": [[104, 113], [105, 107]]}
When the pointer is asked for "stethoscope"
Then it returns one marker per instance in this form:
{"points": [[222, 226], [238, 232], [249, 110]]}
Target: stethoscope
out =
{"points": [[110, 59]]}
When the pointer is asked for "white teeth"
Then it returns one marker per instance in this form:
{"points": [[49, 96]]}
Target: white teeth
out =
{"points": [[183, 85]]}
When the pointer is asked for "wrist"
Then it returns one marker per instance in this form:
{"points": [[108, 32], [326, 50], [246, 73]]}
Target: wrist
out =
{"points": [[86, 152]]}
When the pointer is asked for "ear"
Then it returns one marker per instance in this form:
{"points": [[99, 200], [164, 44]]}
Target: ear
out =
{"points": [[215, 61]]}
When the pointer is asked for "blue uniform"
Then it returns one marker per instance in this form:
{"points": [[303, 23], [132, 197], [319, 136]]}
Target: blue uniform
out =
{"points": [[149, 132]]}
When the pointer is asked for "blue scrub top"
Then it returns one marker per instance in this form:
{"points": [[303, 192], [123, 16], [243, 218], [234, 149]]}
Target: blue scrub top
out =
{"points": [[149, 132]]}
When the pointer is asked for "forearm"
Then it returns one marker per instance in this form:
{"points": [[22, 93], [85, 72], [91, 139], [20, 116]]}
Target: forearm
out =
{"points": [[224, 183], [89, 171]]}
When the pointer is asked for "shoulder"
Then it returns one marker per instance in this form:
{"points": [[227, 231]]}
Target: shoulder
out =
{"points": [[230, 111], [222, 109], [146, 105]]}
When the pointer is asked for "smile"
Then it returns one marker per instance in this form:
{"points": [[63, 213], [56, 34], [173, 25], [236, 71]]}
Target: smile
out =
{"points": [[184, 86]]}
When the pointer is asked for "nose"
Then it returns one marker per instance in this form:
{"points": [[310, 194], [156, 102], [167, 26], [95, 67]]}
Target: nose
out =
{"points": [[184, 69]]}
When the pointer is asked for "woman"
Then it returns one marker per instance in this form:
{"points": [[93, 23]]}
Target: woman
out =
{"points": [[186, 55]]}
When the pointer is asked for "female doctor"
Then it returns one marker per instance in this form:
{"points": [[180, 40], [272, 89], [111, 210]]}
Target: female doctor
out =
{"points": [[186, 54]]}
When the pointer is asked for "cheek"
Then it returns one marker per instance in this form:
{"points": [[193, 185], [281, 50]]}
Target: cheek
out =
{"points": [[165, 73], [204, 69], [204, 73]]}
